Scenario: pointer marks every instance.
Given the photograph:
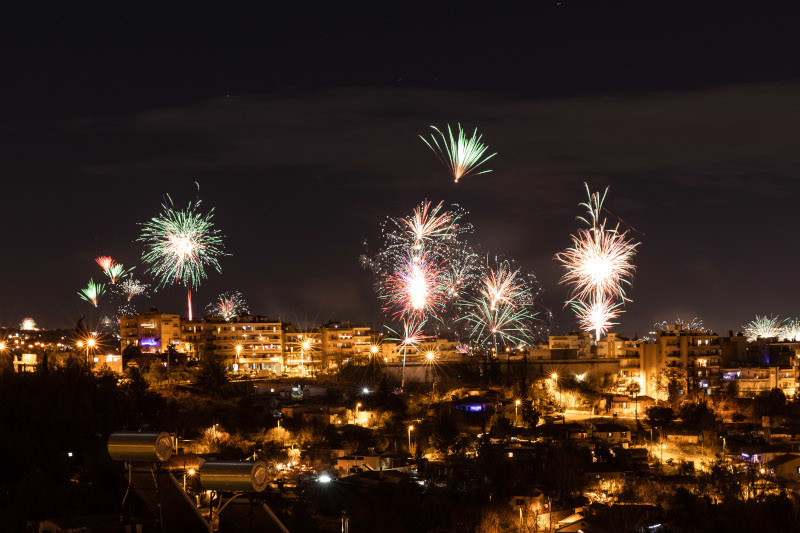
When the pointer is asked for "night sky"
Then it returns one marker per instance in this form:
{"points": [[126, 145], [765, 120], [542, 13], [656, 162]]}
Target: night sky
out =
{"points": [[301, 129]]}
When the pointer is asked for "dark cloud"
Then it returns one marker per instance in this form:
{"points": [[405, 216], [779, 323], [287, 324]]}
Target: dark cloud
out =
{"points": [[300, 180]]}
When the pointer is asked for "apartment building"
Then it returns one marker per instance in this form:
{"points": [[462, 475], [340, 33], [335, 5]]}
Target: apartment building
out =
{"points": [[753, 380], [152, 331], [696, 352]]}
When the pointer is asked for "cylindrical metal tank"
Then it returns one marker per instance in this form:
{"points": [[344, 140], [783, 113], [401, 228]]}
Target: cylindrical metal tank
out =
{"points": [[150, 446], [236, 476]]}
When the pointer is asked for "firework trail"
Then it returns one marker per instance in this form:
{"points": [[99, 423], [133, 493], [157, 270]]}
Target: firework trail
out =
{"points": [[460, 154], [410, 337], [765, 327], [130, 287], [598, 267], [228, 305], [791, 329], [181, 244], [92, 292]]}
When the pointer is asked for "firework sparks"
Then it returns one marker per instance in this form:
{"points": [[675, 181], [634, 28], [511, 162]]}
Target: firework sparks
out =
{"points": [[117, 271], [791, 329], [130, 287], [181, 244], [105, 262], [416, 288], [27, 324], [598, 267], [695, 324], [228, 305], [429, 224], [410, 337], [511, 325], [596, 315], [92, 292], [765, 327], [461, 154], [501, 286]]}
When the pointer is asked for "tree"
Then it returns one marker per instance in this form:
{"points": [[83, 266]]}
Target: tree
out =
{"points": [[530, 416], [770, 403], [445, 434], [669, 383], [501, 427], [697, 415], [633, 390], [211, 374], [658, 416]]}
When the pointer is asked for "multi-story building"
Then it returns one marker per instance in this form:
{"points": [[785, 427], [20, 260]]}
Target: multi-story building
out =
{"points": [[697, 353], [576, 345], [152, 331], [753, 380], [346, 340]]}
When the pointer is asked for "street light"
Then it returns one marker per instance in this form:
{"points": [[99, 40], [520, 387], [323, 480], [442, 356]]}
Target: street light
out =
{"points": [[238, 353], [358, 405], [516, 412], [306, 345], [410, 429], [554, 377]]}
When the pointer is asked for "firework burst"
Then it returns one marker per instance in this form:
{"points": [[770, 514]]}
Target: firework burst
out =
{"points": [[181, 244], [599, 260], [503, 306], [597, 315], [428, 224], [228, 305], [130, 287], [502, 286], [598, 267], [416, 288], [765, 327], [410, 336], [695, 324], [117, 271], [461, 154], [791, 329], [105, 262], [92, 292]]}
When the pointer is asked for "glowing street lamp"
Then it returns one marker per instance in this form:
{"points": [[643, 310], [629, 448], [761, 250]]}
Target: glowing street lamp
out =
{"points": [[516, 412], [430, 356], [554, 377], [358, 406], [410, 429], [304, 347]]}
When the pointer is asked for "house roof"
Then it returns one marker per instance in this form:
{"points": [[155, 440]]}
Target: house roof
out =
{"points": [[609, 426], [783, 459]]}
